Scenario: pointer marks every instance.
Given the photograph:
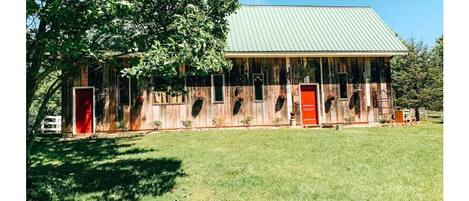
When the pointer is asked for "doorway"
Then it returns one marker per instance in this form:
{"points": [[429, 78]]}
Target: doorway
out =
{"points": [[309, 109], [83, 111]]}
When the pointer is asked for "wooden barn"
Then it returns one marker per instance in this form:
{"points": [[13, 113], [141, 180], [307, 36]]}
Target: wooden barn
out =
{"points": [[318, 65]]}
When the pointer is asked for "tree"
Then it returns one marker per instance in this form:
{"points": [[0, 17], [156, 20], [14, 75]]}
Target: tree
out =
{"points": [[65, 35], [194, 36], [417, 77], [56, 43], [436, 69]]}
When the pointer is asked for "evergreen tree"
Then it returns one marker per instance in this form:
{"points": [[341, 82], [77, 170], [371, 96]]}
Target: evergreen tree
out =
{"points": [[417, 77], [436, 69]]}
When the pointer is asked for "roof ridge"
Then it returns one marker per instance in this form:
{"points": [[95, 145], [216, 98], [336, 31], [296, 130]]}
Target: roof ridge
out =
{"points": [[302, 5]]}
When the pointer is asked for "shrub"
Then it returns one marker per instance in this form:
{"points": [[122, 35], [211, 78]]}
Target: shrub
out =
{"points": [[349, 118], [156, 124], [277, 120], [384, 120], [121, 125], [48, 188], [187, 123], [246, 121], [218, 121]]}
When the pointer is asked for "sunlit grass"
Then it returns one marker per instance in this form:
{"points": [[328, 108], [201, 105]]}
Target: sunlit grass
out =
{"points": [[393, 163]]}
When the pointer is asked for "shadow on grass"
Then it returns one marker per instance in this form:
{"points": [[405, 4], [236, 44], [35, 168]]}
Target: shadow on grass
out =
{"points": [[63, 170]]}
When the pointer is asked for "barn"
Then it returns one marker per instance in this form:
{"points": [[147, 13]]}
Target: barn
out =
{"points": [[318, 65]]}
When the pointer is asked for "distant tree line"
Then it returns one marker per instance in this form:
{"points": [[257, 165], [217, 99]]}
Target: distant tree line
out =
{"points": [[417, 78]]}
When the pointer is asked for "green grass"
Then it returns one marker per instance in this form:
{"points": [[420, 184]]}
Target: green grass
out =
{"points": [[398, 163]]}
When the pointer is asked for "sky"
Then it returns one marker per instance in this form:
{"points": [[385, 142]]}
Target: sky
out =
{"points": [[418, 19]]}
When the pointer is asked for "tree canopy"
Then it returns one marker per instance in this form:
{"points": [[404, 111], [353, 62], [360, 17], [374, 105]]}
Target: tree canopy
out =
{"points": [[195, 37], [63, 35]]}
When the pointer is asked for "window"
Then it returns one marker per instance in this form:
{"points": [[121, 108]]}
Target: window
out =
{"points": [[218, 81], [375, 70], [258, 81], [124, 87], [343, 85], [283, 75], [96, 78], [326, 71], [330, 66], [298, 67], [312, 71], [168, 90], [239, 73]]}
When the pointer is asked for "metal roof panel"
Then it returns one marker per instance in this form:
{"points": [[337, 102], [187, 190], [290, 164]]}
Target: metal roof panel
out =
{"points": [[310, 29]]}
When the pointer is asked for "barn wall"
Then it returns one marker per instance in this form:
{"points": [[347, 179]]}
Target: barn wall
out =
{"points": [[366, 77]]}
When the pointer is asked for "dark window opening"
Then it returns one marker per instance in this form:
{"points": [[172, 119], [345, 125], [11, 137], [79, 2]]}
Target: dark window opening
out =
{"points": [[313, 71], [238, 73], [124, 87], [325, 71], [95, 78], [258, 80], [330, 70], [283, 75], [217, 91], [376, 65], [196, 78], [357, 67], [168, 90], [386, 71], [343, 85]]}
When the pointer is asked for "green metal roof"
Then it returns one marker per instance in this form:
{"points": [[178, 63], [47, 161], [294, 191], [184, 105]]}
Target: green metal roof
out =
{"points": [[310, 29]]}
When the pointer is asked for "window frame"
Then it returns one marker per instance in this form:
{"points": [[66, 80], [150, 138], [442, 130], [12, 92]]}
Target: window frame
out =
{"points": [[254, 87], [346, 84], [168, 97], [222, 88], [120, 95]]}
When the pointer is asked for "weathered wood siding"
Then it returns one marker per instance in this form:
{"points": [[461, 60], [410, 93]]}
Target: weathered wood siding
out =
{"points": [[366, 77], [171, 115]]}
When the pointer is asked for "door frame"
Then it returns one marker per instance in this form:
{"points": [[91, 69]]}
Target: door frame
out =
{"points": [[317, 104], [74, 109]]}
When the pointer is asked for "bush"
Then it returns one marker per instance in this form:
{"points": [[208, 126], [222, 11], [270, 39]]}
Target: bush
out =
{"points": [[246, 121], [47, 188], [349, 118], [218, 121], [384, 120], [156, 124], [277, 120], [121, 125], [187, 123]]}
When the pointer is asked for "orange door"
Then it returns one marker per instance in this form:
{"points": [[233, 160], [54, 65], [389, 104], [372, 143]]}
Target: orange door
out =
{"points": [[83, 111], [309, 110]]}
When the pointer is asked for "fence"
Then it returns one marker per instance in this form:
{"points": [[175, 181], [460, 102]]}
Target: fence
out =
{"points": [[51, 124]]}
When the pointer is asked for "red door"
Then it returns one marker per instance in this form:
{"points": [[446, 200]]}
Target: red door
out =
{"points": [[309, 112], [83, 110]]}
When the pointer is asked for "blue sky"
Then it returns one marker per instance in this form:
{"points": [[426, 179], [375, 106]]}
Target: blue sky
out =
{"points": [[420, 19]]}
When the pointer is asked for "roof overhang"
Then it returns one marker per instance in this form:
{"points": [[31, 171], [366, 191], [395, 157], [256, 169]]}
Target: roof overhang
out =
{"points": [[311, 54]]}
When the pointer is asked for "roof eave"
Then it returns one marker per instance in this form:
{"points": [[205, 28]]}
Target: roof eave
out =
{"points": [[233, 54]]}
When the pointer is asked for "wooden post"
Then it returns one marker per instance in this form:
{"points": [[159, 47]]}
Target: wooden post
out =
{"points": [[126, 108], [323, 110], [289, 94]]}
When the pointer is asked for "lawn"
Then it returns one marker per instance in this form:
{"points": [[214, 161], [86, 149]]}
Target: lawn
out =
{"points": [[392, 163]]}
